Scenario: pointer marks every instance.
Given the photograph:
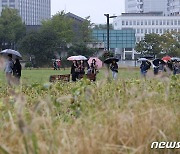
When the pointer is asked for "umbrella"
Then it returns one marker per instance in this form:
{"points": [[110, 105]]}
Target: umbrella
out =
{"points": [[15, 54], [148, 57], [98, 61], [76, 58], [110, 60], [142, 59], [175, 59], [157, 61], [166, 58]]}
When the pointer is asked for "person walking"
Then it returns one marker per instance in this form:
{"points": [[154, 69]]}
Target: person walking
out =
{"points": [[93, 67], [17, 71], [114, 69], [74, 68], [145, 65], [55, 65], [9, 69]]}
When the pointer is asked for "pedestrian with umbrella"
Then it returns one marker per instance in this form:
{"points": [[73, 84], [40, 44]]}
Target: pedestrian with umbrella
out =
{"points": [[145, 65], [74, 70], [17, 71], [112, 62], [158, 65]]}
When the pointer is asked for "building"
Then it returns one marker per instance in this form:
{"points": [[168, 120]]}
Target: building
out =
{"points": [[174, 7], [33, 12], [121, 41], [76, 26], [144, 6], [146, 23]]}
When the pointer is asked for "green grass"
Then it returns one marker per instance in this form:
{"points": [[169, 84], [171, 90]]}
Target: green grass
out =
{"points": [[42, 75]]}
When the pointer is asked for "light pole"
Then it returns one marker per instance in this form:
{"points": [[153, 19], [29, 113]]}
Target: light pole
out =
{"points": [[107, 16]]}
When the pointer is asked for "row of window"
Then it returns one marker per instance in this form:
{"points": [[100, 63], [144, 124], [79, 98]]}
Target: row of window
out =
{"points": [[150, 22], [158, 31]]}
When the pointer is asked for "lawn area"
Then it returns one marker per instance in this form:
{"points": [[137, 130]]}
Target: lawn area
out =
{"points": [[42, 75]]}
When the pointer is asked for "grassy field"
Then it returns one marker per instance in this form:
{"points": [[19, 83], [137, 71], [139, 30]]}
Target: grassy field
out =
{"points": [[102, 117], [42, 75]]}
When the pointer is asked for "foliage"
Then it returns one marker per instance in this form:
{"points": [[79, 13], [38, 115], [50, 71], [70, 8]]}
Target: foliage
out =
{"points": [[12, 29], [102, 26], [170, 43], [159, 45], [81, 49], [44, 44]]}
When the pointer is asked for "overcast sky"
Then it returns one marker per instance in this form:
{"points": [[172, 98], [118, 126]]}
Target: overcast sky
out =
{"points": [[93, 8]]}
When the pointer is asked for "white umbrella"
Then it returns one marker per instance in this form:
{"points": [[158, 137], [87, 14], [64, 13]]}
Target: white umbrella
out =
{"points": [[77, 58], [175, 59], [14, 53], [142, 59]]}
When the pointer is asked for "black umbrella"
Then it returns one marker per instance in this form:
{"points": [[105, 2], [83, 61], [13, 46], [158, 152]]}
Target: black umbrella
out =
{"points": [[158, 61], [110, 60]]}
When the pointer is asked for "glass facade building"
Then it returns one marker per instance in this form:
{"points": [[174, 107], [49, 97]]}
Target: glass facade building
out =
{"points": [[117, 38]]}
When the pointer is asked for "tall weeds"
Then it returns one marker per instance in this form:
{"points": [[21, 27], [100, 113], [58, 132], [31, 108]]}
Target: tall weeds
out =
{"points": [[106, 117]]}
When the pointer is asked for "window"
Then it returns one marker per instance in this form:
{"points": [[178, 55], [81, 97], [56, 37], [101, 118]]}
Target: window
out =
{"points": [[164, 22], [146, 22], [137, 22], [149, 30], [141, 22], [130, 22], [134, 22], [153, 22], [160, 22], [126, 22], [137, 31], [160, 31], [146, 31], [157, 31], [149, 22], [175, 22], [157, 22], [123, 22], [142, 31], [167, 22]]}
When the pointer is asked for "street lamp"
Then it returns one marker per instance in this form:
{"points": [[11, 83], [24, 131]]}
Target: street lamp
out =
{"points": [[107, 15]]}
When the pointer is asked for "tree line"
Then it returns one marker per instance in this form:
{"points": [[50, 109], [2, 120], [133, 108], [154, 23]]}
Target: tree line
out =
{"points": [[160, 45]]}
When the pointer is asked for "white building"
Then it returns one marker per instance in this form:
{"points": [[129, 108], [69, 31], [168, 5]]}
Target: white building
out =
{"points": [[144, 6], [146, 23], [174, 7], [33, 12]]}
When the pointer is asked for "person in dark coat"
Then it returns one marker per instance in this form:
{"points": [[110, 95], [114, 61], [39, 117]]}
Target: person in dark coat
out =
{"points": [[145, 65], [114, 69], [74, 68], [17, 70]]}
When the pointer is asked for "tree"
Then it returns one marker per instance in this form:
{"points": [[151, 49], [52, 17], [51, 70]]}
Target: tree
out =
{"points": [[141, 47], [80, 49], [11, 28], [44, 44], [150, 45], [170, 44]]}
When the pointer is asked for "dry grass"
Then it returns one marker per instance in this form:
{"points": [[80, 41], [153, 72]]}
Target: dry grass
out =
{"points": [[106, 117]]}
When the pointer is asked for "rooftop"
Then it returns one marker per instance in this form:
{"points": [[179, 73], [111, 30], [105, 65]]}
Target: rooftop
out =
{"points": [[144, 14]]}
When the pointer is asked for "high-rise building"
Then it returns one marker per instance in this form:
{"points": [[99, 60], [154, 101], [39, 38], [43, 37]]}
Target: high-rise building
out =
{"points": [[144, 6], [33, 12], [174, 7]]}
